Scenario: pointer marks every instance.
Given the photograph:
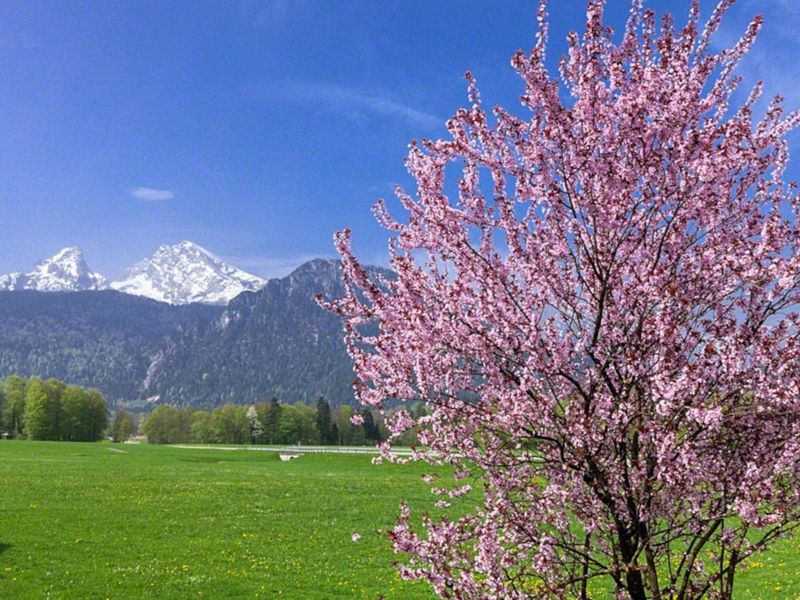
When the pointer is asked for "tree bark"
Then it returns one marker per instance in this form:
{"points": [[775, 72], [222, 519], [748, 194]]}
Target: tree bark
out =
{"points": [[633, 574]]}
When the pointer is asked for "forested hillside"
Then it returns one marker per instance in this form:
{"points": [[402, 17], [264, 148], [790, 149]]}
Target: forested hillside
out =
{"points": [[276, 342], [103, 339]]}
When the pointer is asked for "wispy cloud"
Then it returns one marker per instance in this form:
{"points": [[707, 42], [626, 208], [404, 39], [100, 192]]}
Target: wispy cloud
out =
{"points": [[353, 100], [268, 15], [270, 267], [151, 194]]}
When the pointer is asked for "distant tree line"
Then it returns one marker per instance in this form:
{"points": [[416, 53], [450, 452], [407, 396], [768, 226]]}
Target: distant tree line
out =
{"points": [[51, 410], [265, 423]]}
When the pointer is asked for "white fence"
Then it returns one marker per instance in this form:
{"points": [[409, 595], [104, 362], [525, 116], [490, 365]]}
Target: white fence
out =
{"points": [[300, 449]]}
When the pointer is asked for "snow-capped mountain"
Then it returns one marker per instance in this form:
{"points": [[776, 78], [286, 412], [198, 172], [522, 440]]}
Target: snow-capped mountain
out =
{"points": [[65, 271], [185, 273], [178, 274]]}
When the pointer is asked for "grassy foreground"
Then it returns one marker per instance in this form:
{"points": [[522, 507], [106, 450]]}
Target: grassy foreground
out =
{"points": [[137, 521]]}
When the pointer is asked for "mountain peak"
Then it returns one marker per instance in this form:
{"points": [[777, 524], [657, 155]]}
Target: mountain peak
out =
{"points": [[185, 272], [65, 271], [68, 252], [187, 248], [316, 265]]}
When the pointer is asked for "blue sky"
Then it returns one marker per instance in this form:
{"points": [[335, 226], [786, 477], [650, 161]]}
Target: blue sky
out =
{"points": [[257, 129]]}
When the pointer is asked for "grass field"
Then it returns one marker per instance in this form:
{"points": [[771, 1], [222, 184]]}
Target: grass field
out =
{"points": [[137, 521]]}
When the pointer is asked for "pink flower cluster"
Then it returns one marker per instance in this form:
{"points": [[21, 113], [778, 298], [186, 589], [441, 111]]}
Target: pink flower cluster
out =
{"points": [[603, 319]]}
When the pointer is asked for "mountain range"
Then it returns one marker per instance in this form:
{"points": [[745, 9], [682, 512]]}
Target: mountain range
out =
{"points": [[182, 273], [272, 342]]}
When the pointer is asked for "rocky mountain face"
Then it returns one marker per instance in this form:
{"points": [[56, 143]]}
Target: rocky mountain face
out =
{"points": [[65, 271], [272, 342], [185, 273]]}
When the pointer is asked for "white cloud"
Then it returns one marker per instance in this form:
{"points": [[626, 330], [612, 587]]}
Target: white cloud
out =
{"points": [[352, 100], [151, 194]]}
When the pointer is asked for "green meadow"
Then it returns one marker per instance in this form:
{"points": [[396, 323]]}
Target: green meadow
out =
{"points": [[138, 521]]}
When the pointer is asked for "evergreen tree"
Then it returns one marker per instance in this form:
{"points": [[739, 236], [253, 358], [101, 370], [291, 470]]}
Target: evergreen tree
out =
{"points": [[372, 432], [272, 414], [324, 422], [335, 435]]}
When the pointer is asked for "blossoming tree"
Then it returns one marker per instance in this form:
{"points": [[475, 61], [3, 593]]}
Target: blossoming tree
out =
{"points": [[602, 316]]}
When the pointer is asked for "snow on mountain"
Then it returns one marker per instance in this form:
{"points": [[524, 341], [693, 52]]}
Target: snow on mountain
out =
{"points": [[178, 274], [185, 273], [65, 271], [11, 281]]}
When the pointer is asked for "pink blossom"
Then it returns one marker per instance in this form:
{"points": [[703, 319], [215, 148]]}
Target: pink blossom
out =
{"points": [[602, 319]]}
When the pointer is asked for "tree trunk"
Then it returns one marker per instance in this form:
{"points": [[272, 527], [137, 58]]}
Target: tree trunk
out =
{"points": [[633, 574], [587, 548], [635, 585]]}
